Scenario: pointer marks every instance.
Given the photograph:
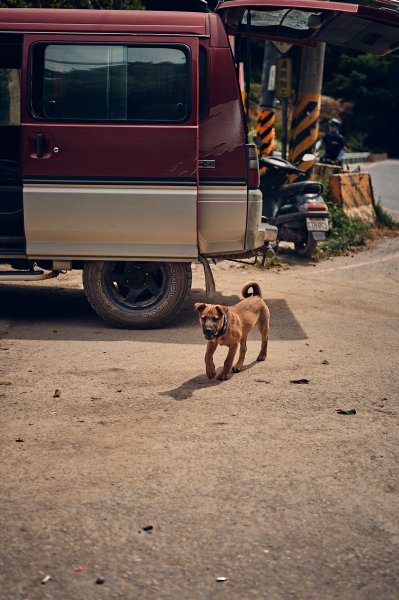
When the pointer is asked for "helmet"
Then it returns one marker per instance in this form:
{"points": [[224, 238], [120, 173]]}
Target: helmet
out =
{"points": [[335, 122]]}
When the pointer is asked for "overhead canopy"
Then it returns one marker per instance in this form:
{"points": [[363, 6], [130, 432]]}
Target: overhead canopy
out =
{"points": [[373, 28]]}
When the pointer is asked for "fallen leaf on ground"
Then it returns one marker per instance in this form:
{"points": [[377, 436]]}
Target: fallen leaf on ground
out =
{"points": [[340, 411], [5, 382], [299, 381], [57, 394]]}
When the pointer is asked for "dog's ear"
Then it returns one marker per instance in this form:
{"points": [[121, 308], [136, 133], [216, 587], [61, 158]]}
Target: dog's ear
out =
{"points": [[220, 310], [199, 306]]}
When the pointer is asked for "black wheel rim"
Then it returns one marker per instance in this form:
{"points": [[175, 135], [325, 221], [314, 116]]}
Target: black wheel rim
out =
{"points": [[136, 285], [303, 244]]}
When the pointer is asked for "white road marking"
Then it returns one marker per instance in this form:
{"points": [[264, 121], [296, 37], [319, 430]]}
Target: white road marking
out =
{"points": [[366, 263]]}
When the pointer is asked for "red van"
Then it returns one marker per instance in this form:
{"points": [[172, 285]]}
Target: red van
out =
{"points": [[125, 152]]}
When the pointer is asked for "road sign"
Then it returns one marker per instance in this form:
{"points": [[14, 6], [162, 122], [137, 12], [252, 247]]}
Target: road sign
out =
{"points": [[282, 47], [283, 88]]}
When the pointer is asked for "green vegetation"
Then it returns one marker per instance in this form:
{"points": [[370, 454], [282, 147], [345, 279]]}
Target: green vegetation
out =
{"points": [[384, 218], [369, 84], [346, 232]]}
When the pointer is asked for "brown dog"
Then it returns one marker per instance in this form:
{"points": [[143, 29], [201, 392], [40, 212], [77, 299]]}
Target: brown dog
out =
{"points": [[230, 326]]}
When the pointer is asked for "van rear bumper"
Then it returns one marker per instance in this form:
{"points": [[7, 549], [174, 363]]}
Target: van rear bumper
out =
{"points": [[269, 232]]}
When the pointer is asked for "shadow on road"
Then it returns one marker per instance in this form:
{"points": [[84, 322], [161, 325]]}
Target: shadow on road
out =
{"points": [[186, 389], [55, 312]]}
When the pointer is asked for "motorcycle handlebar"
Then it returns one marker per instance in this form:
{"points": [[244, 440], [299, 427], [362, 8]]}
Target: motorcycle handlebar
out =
{"points": [[280, 165]]}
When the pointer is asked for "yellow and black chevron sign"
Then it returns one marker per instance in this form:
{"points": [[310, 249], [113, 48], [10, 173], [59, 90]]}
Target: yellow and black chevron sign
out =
{"points": [[304, 128], [265, 132], [354, 192]]}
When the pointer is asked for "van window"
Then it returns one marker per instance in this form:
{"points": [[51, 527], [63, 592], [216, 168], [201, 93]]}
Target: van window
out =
{"points": [[110, 82]]}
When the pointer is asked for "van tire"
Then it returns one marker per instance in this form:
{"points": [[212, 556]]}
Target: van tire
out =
{"points": [[137, 295]]}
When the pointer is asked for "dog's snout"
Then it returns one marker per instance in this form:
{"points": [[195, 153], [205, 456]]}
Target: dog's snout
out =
{"points": [[208, 330]]}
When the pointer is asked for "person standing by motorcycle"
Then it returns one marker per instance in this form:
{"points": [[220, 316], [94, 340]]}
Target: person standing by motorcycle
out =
{"points": [[334, 144]]}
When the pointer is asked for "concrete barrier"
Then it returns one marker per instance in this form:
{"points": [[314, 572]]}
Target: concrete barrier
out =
{"points": [[354, 192], [324, 171]]}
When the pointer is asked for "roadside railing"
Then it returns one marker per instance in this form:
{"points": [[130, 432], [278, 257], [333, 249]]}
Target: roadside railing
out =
{"points": [[355, 157], [349, 157]]}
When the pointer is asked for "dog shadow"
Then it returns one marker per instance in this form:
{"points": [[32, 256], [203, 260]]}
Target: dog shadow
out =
{"points": [[186, 389]]}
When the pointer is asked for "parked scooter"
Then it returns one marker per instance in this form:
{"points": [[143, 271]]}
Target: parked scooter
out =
{"points": [[297, 209]]}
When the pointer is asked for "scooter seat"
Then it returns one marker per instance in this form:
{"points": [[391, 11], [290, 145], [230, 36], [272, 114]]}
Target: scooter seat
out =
{"points": [[300, 187]]}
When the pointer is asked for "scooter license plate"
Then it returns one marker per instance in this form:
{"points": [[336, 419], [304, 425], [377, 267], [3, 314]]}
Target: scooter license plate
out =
{"points": [[317, 224]]}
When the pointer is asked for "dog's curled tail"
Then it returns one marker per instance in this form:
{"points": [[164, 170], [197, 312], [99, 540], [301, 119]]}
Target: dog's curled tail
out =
{"points": [[256, 291]]}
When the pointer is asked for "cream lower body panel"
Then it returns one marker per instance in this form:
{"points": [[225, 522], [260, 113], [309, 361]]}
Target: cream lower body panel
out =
{"points": [[108, 222], [229, 219], [255, 235], [222, 219]]}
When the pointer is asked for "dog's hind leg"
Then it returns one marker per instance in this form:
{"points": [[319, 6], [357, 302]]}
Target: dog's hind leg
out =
{"points": [[228, 363], [243, 350], [263, 350], [263, 325]]}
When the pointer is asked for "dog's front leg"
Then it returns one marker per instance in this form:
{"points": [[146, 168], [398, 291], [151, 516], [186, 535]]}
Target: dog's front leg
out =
{"points": [[209, 364], [243, 350], [228, 363]]}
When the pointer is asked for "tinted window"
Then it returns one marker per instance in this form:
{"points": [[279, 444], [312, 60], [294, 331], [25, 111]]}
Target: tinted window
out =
{"points": [[97, 82]]}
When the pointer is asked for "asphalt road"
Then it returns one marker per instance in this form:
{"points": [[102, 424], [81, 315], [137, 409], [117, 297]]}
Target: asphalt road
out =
{"points": [[140, 479], [385, 181]]}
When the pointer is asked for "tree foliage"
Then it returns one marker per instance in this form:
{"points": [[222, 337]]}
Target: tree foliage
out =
{"points": [[370, 84]]}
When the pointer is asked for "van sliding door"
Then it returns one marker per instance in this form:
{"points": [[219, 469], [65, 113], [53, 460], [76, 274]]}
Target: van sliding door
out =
{"points": [[110, 147]]}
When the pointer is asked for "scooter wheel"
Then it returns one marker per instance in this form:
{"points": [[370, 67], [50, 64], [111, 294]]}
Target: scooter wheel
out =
{"points": [[307, 247]]}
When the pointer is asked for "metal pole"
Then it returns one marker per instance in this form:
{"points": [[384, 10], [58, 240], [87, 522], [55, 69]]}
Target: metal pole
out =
{"points": [[306, 111], [284, 127], [248, 66]]}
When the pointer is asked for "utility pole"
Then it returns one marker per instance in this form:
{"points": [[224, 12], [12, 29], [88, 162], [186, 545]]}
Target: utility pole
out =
{"points": [[306, 110], [266, 109]]}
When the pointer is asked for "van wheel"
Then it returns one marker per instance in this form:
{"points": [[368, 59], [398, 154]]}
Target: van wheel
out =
{"points": [[137, 295], [307, 247]]}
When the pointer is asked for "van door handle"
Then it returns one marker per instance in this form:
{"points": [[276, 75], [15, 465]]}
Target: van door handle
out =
{"points": [[40, 145]]}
